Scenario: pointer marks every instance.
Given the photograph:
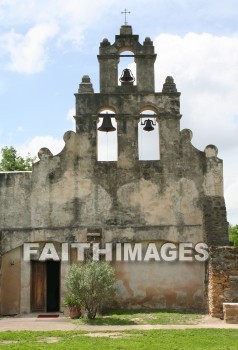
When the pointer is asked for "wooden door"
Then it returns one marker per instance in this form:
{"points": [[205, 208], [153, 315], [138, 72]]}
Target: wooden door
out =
{"points": [[38, 286]]}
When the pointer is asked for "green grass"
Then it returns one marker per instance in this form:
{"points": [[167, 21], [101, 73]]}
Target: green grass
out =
{"points": [[138, 317], [217, 339]]}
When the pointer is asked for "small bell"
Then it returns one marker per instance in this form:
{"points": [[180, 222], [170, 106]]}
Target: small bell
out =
{"points": [[127, 77], [106, 124], [148, 125]]}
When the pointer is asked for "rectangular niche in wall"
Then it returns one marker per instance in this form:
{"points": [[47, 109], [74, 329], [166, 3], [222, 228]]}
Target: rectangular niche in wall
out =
{"points": [[107, 140], [148, 141]]}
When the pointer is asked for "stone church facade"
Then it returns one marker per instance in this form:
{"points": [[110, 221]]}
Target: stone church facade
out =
{"points": [[72, 197]]}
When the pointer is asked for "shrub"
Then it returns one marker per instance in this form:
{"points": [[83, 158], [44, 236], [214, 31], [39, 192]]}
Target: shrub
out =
{"points": [[74, 306], [71, 301], [92, 284]]}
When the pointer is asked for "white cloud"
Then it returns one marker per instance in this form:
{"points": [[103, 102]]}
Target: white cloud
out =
{"points": [[30, 24], [205, 70], [232, 216], [232, 195], [231, 185], [204, 67], [28, 53], [33, 146], [70, 116]]}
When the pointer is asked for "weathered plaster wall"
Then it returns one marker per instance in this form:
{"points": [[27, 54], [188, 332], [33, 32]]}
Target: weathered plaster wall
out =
{"points": [[66, 194], [15, 190], [174, 285], [11, 282], [166, 286]]}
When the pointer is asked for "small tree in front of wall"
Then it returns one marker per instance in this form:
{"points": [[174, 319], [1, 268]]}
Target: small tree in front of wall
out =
{"points": [[92, 284]]}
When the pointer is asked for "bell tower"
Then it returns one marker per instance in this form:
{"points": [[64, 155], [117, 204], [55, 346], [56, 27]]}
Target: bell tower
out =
{"points": [[128, 96], [109, 57]]}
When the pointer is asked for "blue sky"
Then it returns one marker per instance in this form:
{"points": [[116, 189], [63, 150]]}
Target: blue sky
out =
{"points": [[47, 46]]}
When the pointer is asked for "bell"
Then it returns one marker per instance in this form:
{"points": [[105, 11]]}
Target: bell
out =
{"points": [[148, 125], [106, 124], [126, 76]]}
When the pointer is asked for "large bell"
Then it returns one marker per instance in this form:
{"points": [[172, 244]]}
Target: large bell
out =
{"points": [[126, 76], [148, 125], [106, 124]]}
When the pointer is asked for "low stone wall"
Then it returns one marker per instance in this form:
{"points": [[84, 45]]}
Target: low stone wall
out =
{"points": [[230, 311], [223, 279]]}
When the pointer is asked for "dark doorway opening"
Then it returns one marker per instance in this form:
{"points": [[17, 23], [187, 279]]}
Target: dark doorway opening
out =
{"points": [[45, 286], [52, 285]]}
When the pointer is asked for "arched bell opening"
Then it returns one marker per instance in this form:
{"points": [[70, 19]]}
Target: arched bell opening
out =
{"points": [[107, 135], [148, 135], [127, 68]]}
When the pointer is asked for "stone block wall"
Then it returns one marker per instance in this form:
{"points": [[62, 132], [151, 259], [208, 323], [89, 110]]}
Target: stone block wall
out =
{"points": [[230, 312], [223, 278], [215, 221]]}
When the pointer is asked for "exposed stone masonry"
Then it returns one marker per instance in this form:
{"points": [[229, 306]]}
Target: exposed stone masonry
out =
{"points": [[223, 278], [215, 222], [230, 311]]}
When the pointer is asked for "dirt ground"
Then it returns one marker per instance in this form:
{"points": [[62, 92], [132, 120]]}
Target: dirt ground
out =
{"points": [[33, 323]]}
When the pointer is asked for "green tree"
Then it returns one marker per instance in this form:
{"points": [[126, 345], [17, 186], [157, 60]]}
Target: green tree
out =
{"points": [[92, 284], [233, 234], [11, 161]]}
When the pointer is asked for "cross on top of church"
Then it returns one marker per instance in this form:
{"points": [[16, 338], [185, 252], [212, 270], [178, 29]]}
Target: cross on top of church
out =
{"points": [[125, 12]]}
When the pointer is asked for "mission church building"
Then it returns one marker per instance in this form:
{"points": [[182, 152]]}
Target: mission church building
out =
{"points": [[72, 197]]}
